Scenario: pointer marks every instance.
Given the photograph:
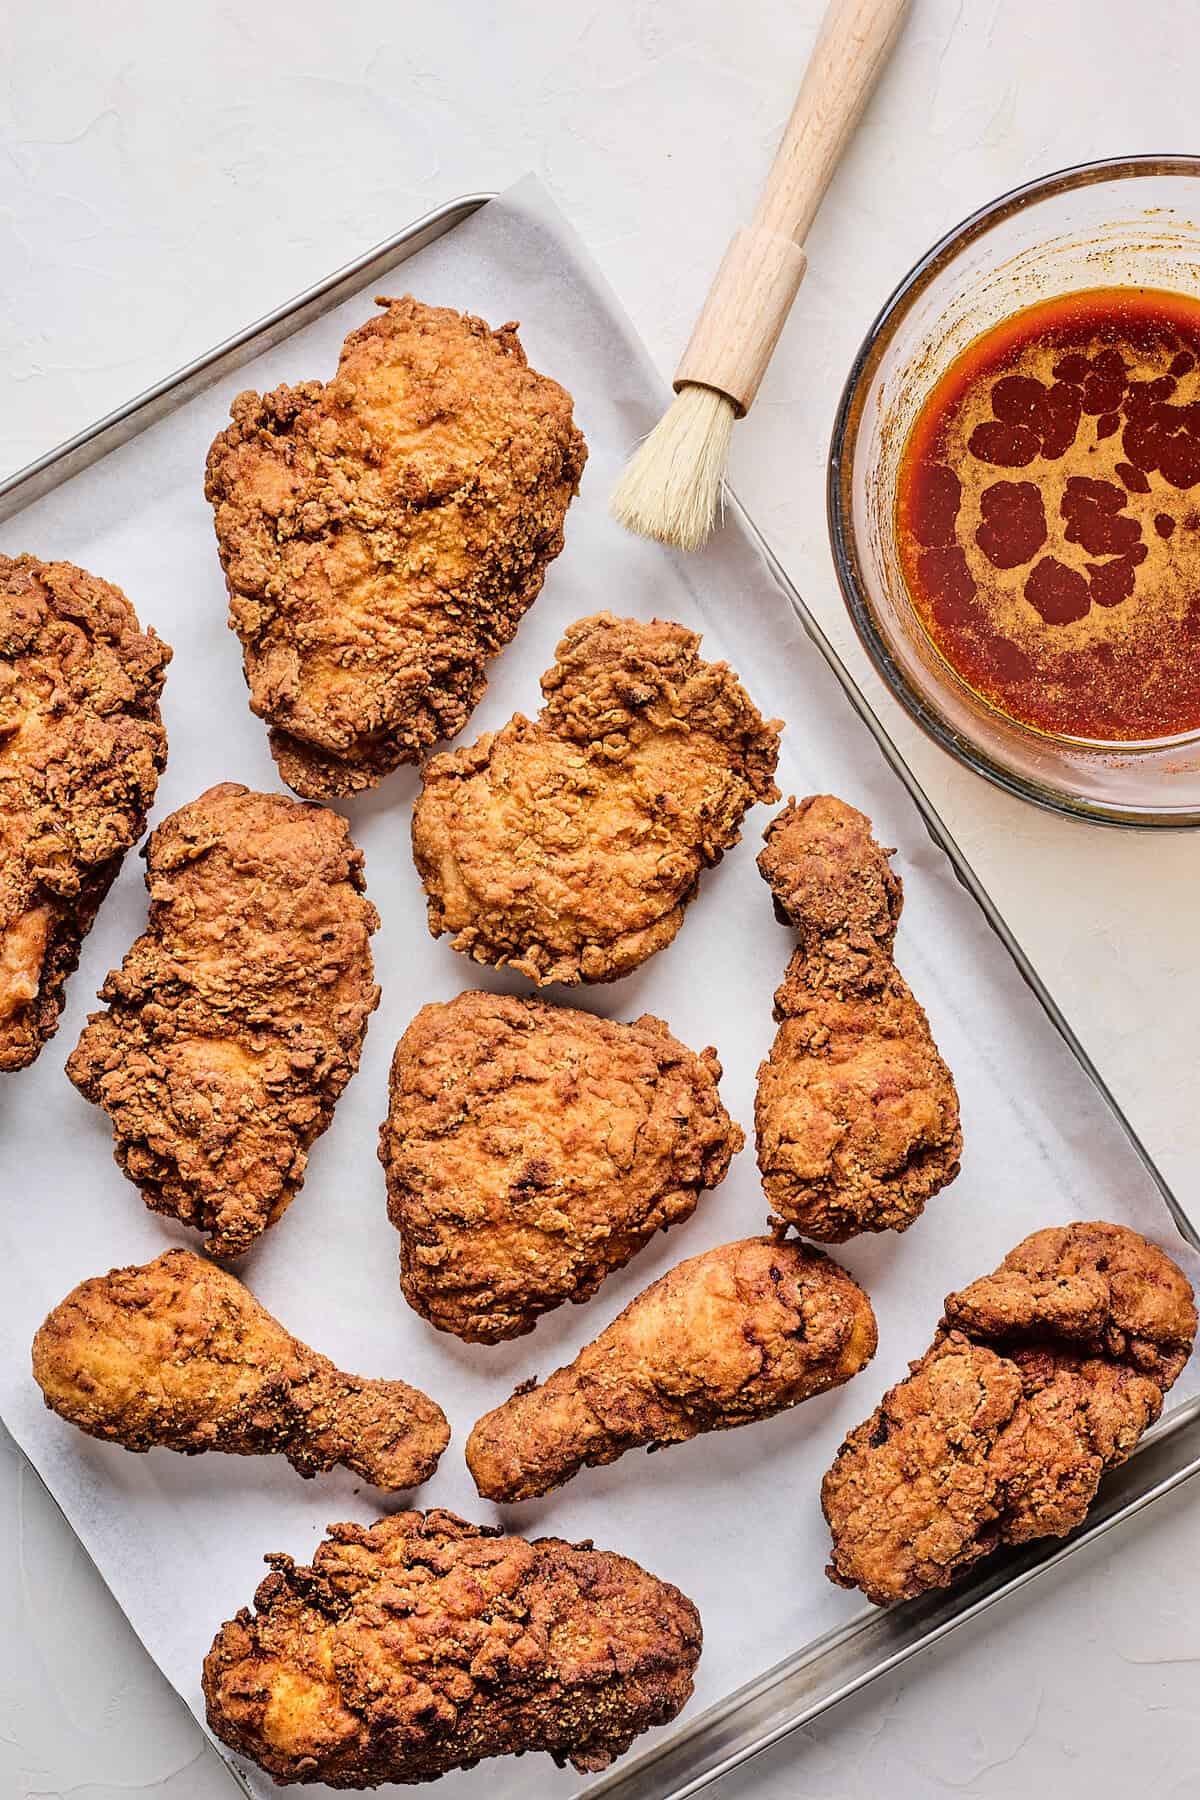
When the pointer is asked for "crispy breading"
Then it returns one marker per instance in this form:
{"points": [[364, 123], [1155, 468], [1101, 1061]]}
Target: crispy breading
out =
{"points": [[1101, 1288], [81, 750], [856, 1116], [383, 533], [569, 846], [238, 1017], [178, 1354], [1041, 1378], [735, 1335], [425, 1644], [531, 1149]]}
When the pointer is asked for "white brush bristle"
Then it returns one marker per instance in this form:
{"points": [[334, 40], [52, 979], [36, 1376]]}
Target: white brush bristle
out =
{"points": [[671, 487]]}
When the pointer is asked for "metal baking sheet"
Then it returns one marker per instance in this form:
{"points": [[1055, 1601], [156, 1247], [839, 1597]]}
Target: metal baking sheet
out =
{"points": [[1044, 1138]]}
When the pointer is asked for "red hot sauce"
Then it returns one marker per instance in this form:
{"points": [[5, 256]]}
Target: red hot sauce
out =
{"points": [[1048, 515]]}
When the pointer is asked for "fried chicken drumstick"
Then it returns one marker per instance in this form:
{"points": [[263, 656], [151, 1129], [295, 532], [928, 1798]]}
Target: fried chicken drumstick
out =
{"points": [[238, 1017], [383, 533], [179, 1354], [425, 1644], [532, 1149], [1042, 1377], [81, 750], [857, 1115], [570, 845], [737, 1334]]}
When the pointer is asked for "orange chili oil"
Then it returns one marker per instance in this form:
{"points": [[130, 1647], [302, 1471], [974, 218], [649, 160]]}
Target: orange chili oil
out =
{"points": [[1048, 515]]}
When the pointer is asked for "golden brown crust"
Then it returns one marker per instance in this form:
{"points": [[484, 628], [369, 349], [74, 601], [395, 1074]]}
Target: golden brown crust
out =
{"points": [[570, 846], [1100, 1288], [382, 535], [238, 1017], [1041, 1378], [856, 1117], [178, 1354], [425, 1644], [532, 1149], [737, 1334], [81, 750], [829, 879]]}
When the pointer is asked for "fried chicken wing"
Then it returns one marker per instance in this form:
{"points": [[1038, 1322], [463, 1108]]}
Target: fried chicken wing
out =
{"points": [[81, 750], [383, 533], [531, 1149], [1042, 1377], [179, 1354], [425, 1644], [735, 1335], [238, 1017], [857, 1115], [569, 846]]}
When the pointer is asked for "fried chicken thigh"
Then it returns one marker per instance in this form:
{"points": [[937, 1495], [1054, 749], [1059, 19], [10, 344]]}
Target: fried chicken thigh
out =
{"points": [[81, 750], [179, 1354], [238, 1017], [857, 1115], [569, 846], [425, 1644], [531, 1150], [735, 1335], [383, 533], [1041, 1378]]}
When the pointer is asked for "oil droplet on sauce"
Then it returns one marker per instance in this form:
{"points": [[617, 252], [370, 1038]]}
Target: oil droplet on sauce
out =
{"points": [[1048, 515]]}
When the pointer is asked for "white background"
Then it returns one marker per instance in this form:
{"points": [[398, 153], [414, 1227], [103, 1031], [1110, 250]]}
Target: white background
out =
{"points": [[168, 172]]}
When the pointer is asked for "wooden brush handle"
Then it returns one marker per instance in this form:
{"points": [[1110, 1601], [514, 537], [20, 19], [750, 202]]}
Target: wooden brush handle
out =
{"points": [[764, 265]]}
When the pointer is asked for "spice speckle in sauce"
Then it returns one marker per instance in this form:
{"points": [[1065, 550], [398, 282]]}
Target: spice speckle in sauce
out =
{"points": [[1047, 526]]}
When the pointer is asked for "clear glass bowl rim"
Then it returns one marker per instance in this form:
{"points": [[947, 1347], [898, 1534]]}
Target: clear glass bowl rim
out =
{"points": [[841, 462]]}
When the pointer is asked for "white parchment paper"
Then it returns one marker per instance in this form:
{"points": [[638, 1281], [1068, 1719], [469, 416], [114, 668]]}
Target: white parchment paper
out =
{"points": [[733, 1519]]}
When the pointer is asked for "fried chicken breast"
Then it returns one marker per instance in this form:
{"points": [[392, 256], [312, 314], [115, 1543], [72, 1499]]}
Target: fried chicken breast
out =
{"points": [[425, 1644], [238, 1017], [178, 1353], [531, 1149], [735, 1335], [570, 845], [1041, 1378], [81, 750], [856, 1115], [383, 533]]}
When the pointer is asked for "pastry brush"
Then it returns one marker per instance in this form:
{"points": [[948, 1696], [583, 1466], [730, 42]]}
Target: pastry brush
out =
{"points": [[671, 487]]}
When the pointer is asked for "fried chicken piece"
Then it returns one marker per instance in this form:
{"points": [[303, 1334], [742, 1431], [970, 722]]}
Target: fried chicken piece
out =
{"points": [[531, 1150], [238, 1017], [569, 846], [179, 1354], [1101, 1288], [383, 534], [1042, 1377], [735, 1335], [81, 750], [857, 1115], [425, 1644]]}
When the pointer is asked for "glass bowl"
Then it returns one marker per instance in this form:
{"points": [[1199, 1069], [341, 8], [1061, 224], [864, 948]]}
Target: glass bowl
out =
{"points": [[1130, 222]]}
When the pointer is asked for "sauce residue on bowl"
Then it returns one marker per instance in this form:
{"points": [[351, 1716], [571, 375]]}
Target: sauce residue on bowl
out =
{"points": [[1048, 515]]}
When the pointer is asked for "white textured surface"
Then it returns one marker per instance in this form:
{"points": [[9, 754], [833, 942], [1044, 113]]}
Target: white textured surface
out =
{"points": [[169, 172]]}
